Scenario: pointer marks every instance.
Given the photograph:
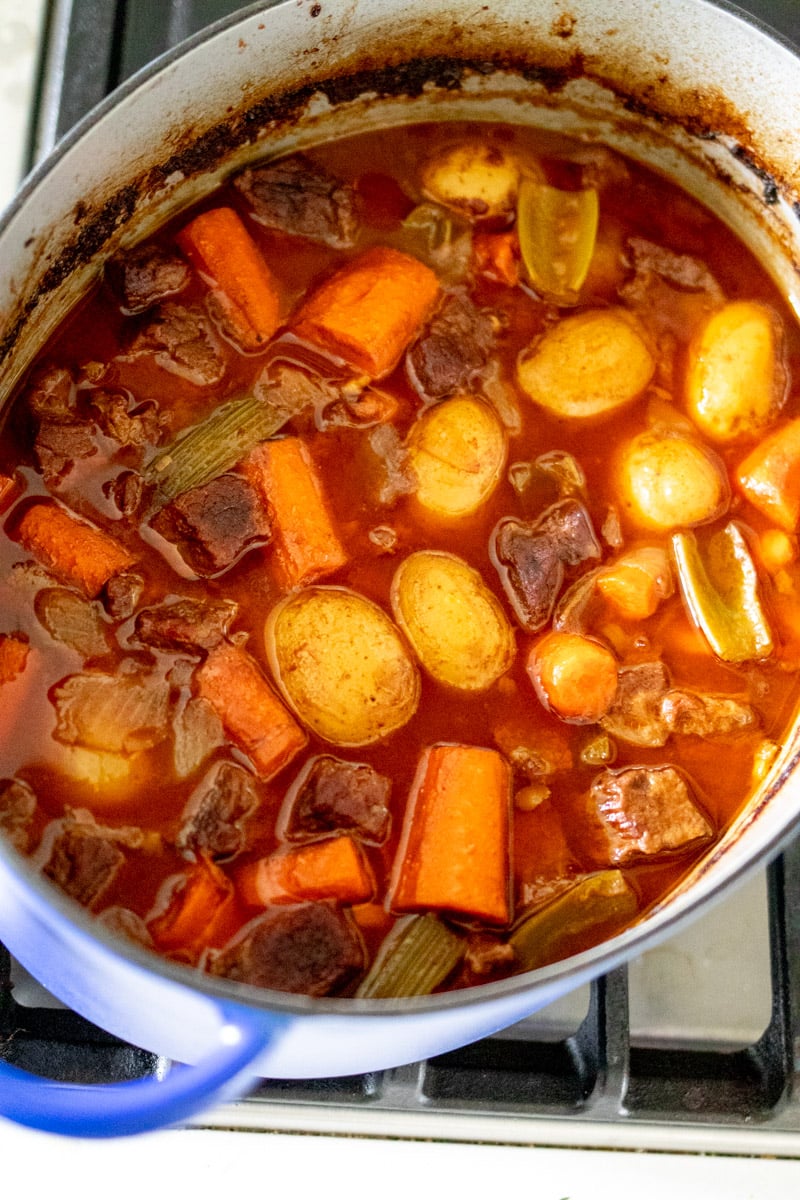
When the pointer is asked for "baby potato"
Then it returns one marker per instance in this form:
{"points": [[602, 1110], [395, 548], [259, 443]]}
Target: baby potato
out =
{"points": [[341, 665], [453, 621], [457, 451], [735, 378], [587, 364], [667, 481], [474, 178]]}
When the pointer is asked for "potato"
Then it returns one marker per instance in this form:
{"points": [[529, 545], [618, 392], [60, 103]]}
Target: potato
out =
{"points": [[587, 364], [341, 665], [667, 481], [735, 379], [453, 621], [477, 179], [457, 451]]}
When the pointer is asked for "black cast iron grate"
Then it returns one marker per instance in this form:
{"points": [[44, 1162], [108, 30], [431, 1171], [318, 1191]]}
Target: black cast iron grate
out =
{"points": [[593, 1085]]}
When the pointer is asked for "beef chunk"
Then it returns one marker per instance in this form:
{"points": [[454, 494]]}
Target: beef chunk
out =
{"points": [[51, 395], [214, 524], [533, 558], [59, 445], [675, 290], [187, 625], [700, 715], [182, 340], [17, 806], [456, 345], [123, 593], [311, 948], [83, 862], [636, 715], [333, 796], [147, 275], [213, 820], [297, 197], [642, 812], [129, 424]]}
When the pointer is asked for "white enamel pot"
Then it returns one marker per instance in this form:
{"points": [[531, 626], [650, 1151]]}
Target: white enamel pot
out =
{"points": [[687, 86]]}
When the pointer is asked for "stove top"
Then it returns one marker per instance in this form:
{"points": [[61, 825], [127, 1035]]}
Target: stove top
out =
{"points": [[693, 1047]]}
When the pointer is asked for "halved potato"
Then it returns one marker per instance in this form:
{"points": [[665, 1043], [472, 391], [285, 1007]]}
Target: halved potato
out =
{"points": [[735, 380], [341, 665], [587, 364], [457, 451], [476, 178], [666, 481], [453, 621]]}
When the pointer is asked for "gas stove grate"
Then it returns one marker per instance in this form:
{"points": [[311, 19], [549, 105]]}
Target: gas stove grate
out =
{"points": [[592, 1085]]}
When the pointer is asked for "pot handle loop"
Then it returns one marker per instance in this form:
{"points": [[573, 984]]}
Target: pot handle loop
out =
{"points": [[141, 1105]]}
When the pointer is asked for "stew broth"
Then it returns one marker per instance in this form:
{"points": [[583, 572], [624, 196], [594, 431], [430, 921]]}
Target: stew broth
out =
{"points": [[224, 824]]}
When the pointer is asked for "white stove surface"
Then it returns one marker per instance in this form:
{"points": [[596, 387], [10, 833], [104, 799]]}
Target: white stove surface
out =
{"points": [[711, 984]]}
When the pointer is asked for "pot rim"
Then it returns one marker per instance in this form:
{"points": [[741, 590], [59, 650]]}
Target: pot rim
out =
{"points": [[668, 918]]}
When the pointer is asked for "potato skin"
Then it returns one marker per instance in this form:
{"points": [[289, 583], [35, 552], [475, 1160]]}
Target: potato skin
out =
{"points": [[455, 624], [342, 665], [588, 364], [457, 451], [667, 481]]}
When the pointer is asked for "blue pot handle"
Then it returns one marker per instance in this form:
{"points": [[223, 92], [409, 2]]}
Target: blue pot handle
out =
{"points": [[142, 1105]]}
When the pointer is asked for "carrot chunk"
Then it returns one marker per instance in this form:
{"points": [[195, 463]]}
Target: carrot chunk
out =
{"points": [[192, 907], [14, 651], [333, 869], [76, 552], [496, 255], [575, 677], [370, 310], [454, 848], [770, 476], [219, 247], [305, 541], [252, 715]]}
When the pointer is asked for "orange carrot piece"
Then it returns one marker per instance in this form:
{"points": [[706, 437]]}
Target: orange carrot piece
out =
{"points": [[497, 256], [305, 542], [192, 908], [575, 677], [252, 715], [220, 247], [14, 651], [8, 488], [370, 309], [769, 477], [454, 849], [333, 869], [76, 552]]}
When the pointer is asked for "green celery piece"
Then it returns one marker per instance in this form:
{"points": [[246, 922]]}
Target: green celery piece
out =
{"points": [[228, 434], [594, 900], [414, 959], [719, 585]]}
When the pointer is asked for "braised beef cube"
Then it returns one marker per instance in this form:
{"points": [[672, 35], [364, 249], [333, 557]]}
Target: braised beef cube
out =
{"points": [[311, 948], [17, 808], [123, 593], [297, 197], [83, 862], [487, 954], [455, 346], [51, 395], [129, 424], [59, 445], [333, 796], [639, 813], [188, 625], [214, 819], [214, 524], [533, 557], [127, 491], [704, 716], [147, 275], [182, 340], [636, 715]]}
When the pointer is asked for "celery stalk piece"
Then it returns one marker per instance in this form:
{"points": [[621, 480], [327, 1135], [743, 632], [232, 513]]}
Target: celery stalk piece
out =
{"points": [[414, 959], [557, 233], [547, 934], [719, 585], [227, 435]]}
